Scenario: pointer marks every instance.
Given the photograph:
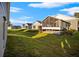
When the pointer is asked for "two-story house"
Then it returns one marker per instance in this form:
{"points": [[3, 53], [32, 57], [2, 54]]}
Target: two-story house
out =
{"points": [[73, 20], [27, 26], [37, 25], [54, 25]]}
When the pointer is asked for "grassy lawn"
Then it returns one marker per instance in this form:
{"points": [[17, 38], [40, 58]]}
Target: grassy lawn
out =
{"points": [[23, 42]]}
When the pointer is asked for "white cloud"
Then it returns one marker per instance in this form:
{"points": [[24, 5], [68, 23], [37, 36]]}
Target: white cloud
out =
{"points": [[25, 17], [47, 4], [15, 21], [20, 20], [15, 9], [72, 10]]}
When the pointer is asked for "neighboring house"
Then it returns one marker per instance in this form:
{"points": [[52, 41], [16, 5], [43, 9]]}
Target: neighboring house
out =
{"points": [[36, 25], [16, 27], [76, 14], [54, 25], [4, 21], [27, 26], [74, 24], [74, 21], [10, 26]]}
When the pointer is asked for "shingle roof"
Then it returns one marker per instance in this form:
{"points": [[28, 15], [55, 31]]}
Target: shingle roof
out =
{"points": [[29, 23], [65, 17], [38, 21]]}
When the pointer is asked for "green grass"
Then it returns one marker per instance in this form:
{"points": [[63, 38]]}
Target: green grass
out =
{"points": [[23, 42]]}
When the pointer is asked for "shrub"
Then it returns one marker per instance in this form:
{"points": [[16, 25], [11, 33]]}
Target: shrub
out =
{"points": [[72, 30], [68, 32]]}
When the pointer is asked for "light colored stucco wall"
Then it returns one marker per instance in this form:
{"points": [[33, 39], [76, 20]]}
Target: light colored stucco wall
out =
{"points": [[74, 25], [9, 27], [36, 24], [63, 24]]}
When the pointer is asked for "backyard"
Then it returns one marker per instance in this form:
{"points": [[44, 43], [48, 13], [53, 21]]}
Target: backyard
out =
{"points": [[29, 43]]}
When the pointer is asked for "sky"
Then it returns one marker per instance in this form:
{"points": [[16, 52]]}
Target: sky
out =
{"points": [[29, 12]]}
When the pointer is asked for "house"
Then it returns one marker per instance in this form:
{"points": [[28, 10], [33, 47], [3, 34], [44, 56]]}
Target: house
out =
{"points": [[10, 26], [36, 25], [16, 27], [76, 15], [73, 20], [4, 22], [27, 26], [74, 24], [54, 25]]}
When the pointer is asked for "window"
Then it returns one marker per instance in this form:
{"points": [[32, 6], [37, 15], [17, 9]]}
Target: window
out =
{"points": [[33, 26], [39, 26], [26, 26], [54, 25], [44, 29]]}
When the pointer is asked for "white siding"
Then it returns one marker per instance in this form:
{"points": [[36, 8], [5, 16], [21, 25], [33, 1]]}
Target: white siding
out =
{"points": [[1, 37], [57, 28], [3, 28], [36, 24]]}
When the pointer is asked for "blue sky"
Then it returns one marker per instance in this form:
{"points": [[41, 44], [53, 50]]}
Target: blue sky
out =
{"points": [[23, 12]]}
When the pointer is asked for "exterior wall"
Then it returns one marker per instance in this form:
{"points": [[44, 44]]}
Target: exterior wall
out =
{"points": [[76, 15], [54, 32], [50, 22], [9, 27], [27, 26], [53, 25], [74, 25], [53, 28], [23, 26], [64, 25], [1, 37], [36, 25], [3, 26]]}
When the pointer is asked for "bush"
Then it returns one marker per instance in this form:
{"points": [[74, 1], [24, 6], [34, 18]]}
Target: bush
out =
{"points": [[72, 30], [68, 32]]}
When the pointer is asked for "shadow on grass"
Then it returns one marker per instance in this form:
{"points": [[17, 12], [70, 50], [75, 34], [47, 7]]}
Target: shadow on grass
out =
{"points": [[25, 32], [18, 46], [63, 45], [28, 43]]}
